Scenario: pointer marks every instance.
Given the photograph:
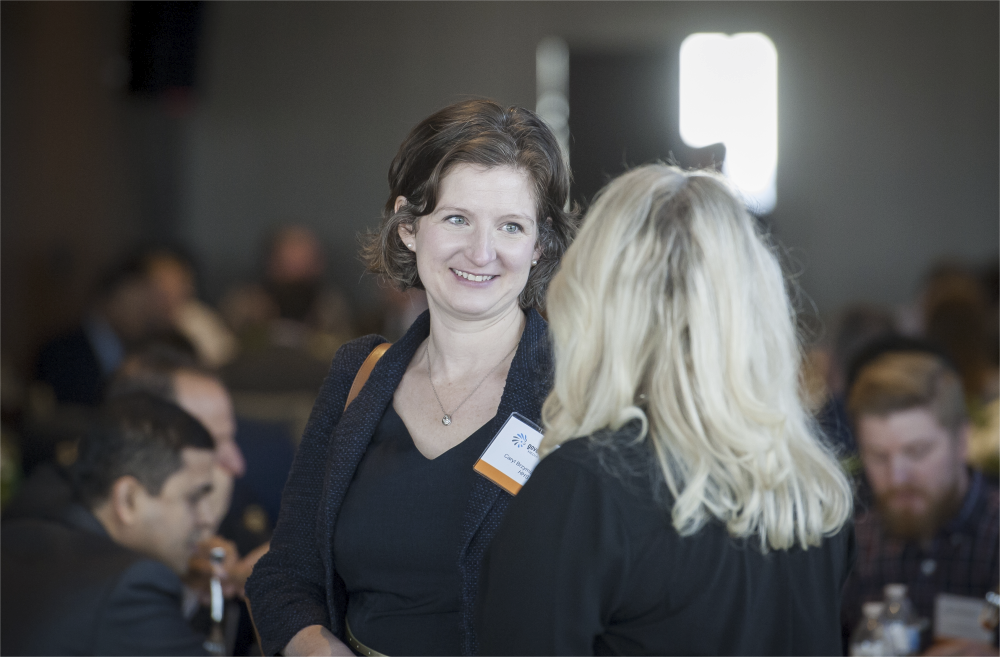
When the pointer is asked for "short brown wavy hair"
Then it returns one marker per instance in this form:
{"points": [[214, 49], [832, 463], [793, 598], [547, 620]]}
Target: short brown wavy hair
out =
{"points": [[483, 133], [899, 381]]}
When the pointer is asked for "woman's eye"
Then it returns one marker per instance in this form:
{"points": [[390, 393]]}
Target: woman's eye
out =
{"points": [[457, 220], [512, 228]]}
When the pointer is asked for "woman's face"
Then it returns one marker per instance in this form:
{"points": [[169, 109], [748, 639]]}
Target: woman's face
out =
{"points": [[474, 251]]}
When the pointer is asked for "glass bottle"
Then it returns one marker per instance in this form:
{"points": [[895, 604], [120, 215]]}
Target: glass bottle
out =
{"points": [[899, 622], [868, 639], [216, 643]]}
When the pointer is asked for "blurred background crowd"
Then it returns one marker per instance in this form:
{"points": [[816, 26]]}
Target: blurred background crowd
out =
{"points": [[184, 184]]}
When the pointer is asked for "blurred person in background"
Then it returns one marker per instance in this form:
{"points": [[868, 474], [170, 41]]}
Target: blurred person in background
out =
{"points": [[128, 310], [72, 370], [100, 576], [956, 312], [691, 507], [238, 522], [172, 376], [475, 217], [290, 325], [293, 278], [934, 522], [172, 275], [292, 305]]}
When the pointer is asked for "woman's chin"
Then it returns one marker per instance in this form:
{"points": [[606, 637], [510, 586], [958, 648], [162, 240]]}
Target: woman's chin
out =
{"points": [[474, 307]]}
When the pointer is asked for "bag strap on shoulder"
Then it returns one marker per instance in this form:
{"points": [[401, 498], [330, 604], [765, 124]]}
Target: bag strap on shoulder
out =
{"points": [[366, 369], [359, 382]]}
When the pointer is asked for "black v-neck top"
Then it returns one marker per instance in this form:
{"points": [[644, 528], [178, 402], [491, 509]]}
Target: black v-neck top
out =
{"points": [[396, 542], [298, 582]]}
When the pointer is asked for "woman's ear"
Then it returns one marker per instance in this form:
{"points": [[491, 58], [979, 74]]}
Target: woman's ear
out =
{"points": [[537, 255], [405, 230], [406, 234]]}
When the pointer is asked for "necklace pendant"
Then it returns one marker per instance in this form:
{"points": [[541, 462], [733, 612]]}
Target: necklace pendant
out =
{"points": [[446, 420]]}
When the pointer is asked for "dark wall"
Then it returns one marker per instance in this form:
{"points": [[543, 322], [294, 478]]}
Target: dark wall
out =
{"points": [[68, 201], [624, 114], [621, 115], [888, 132], [887, 118]]}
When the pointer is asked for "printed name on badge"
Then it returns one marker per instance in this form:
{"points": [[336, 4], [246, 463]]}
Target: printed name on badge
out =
{"points": [[512, 455]]}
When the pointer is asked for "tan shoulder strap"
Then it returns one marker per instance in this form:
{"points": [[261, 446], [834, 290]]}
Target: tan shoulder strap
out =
{"points": [[366, 369], [256, 634]]}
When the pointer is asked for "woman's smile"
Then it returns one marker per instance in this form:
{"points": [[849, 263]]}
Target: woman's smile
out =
{"points": [[474, 278]]}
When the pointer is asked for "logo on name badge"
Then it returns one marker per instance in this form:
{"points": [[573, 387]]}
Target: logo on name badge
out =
{"points": [[512, 455]]}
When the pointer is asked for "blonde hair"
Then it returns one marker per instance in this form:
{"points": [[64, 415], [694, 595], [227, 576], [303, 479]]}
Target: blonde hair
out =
{"points": [[670, 309]]}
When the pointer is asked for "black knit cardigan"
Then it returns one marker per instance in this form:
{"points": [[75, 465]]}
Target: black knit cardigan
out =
{"points": [[296, 583]]}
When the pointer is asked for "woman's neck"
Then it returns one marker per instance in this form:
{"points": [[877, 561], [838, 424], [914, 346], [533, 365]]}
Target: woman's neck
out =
{"points": [[458, 347]]}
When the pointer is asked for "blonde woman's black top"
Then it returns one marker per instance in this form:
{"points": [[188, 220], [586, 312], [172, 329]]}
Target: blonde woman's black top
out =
{"points": [[587, 561]]}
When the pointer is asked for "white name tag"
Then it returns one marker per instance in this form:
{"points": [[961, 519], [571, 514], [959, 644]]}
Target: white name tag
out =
{"points": [[513, 454], [957, 617]]}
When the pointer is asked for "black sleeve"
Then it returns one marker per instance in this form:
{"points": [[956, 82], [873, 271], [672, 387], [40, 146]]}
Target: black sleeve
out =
{"points": [[850, 591], [142, 615], [551, 576], [852, 552], [287, 589]]}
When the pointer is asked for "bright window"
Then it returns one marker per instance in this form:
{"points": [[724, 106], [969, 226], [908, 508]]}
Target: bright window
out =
{"points": [[729, 94]]}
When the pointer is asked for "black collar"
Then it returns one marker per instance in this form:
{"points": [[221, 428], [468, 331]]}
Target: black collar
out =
{"points": [[79, 517]]}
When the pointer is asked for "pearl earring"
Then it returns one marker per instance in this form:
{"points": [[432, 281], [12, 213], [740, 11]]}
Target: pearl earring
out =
{"points": [[534, 262], [410, 246]]}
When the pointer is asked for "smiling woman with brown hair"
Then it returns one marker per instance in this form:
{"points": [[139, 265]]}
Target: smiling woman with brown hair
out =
{"points": [[384, 522]]}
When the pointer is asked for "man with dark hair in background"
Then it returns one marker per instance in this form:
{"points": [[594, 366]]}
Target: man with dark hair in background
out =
{"points": [[239, 522], [934, 522], [173, 376], [101, 575]]}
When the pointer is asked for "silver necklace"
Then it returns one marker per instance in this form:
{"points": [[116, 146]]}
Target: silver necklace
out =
{"points": [[446, 419]]}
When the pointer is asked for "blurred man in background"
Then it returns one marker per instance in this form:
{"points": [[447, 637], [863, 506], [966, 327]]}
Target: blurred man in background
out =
{"points": [[172, 376], [292, 305], [172, 275], [100, 576], [934, 525], [239, 523], [128, 310], [290, 323]]}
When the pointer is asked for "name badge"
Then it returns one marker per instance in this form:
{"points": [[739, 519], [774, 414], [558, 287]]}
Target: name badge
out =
{"points": [[512, 455], [956, 616]]}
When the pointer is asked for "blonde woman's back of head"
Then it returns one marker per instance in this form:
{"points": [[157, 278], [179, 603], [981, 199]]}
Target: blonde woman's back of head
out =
{"points": [[671, 309]]}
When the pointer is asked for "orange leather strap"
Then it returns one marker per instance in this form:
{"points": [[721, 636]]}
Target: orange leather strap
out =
{"points": [[256, 634], [359, 382], [366, 369]]}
